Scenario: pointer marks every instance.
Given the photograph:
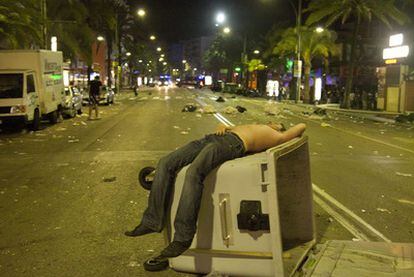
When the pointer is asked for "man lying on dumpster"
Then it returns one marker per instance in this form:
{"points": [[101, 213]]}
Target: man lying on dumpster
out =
{"points": [[204, 155]]}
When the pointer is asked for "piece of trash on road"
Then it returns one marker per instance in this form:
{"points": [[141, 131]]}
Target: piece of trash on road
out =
{"points": [[198, 115], [350, 147], [109, 179], [133, 264], [176, 127], [230, 110], [61, 129], [241, 109], [189, 108], [220, 99], [383, 210], [150, 250], [406, 201], [271, 109], [84, 123], [363, 210], [208, 109], [323, 124], [73, 140], [184, 133], [330, 219], [356, 239], [404, 174]]}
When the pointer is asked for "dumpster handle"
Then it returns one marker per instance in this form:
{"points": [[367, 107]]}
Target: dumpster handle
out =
{"points": [[223, 214]]}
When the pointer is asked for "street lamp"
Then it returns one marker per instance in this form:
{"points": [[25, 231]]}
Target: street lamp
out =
{"points": [[141, 12], [226, 30], [162, 55], [152, 37], [184, 61], [319, 29], [140, 61], [159, 49], [128, 54], [257, 52], [220, 18], [164, 63], [100, 38]]}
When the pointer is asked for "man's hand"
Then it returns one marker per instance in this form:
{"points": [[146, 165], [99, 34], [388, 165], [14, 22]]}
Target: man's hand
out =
{"points": [[221, 130]]}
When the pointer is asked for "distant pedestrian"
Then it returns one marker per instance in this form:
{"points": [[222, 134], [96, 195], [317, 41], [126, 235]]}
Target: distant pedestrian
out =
{"points": [[94, 94]]}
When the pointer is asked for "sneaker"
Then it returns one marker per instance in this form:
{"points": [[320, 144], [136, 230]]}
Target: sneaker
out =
{"points": [[176, 248], [140, 230]]}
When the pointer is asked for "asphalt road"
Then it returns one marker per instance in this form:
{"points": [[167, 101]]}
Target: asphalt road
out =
{"points": [[69, 191]]}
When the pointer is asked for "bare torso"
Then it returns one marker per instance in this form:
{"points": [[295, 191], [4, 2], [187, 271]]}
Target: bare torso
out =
{"points": [[257, 138]]}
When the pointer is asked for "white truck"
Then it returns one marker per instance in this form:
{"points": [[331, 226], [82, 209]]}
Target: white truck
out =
{"points": [[31, 86]]}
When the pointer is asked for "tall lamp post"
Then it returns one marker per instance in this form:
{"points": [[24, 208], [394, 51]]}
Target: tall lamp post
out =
{"points": [[297, 72]]}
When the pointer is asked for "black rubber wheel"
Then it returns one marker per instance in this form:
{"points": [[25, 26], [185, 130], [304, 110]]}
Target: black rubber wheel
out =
{"points": [[156, 263], [143, 173], [79, 111], [36, 120]]}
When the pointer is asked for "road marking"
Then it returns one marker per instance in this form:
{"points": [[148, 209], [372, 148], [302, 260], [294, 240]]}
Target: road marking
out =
{"points": [[348, 212], [319, 194], [219, 117]]}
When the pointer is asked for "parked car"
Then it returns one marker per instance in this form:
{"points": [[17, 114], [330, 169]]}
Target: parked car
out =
{"points": [[72, 102], [107, 96]]}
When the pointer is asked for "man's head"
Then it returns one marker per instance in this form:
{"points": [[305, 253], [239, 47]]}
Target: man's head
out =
{"points": [[276, 126]]}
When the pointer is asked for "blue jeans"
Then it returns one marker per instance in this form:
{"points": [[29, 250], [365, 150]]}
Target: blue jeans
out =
{"points": [[204, 155]]}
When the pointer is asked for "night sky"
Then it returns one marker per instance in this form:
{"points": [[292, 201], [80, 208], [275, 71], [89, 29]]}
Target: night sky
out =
{"points": [[175, 20]]}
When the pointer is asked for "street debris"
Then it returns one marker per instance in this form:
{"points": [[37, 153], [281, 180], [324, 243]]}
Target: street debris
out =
{"points": [[403, 201], [383, 210], [230, 110], [189, 108], [323, 124], [220, 99], [73, 140], [198, 115], [84, 123], [133, 264], [184, 133], [61, 129], [330, 219], [176, 127], [404, 174], [156, 97], [363, 210], [109, 179], [271, 109], [356, 239], [241, 109], [350, 147], [208, 109]]}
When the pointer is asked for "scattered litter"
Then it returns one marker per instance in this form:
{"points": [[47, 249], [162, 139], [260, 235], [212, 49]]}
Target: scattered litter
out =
{"points": [[73, 140], [75, 124], [363, 210], [383, 210], [271, 109], [208, 109], [178, 97], [320, 111], [184, 133], [330, 219], [350, 147], [133, 264], [314, 153], [220, 99], [198, 115], [230, 110], [388, 156], [323, 124], [150, 250], [241, 109], [84, 123], [176, 127], [62, 164], [109, 179], [155, 97], [61, 129], [406, 201], [40, 135], [356, 239], [317, 117], [58, 228], [189, 108], [404, 174]]}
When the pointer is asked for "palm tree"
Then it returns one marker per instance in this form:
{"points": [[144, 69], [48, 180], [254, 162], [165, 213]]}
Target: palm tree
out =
{"points": [[314, 45], [356, 10], [18, 21]]}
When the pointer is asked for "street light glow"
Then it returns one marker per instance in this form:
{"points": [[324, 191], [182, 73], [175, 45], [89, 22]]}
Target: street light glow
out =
{"points": [[100, 38], [319, 29], [152, 37], [128, 54], [164, 63], [184, 61], [162, 55], [220, 18], [140, 61], [226, 30], [160, 59], [141, 12], [256, 52], [159, 49]]}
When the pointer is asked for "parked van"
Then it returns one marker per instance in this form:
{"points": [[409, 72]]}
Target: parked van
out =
{"points": [[31, 86]]}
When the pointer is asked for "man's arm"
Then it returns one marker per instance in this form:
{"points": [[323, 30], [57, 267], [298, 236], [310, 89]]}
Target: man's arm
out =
{"points": [[221, 129], [295, 131]]}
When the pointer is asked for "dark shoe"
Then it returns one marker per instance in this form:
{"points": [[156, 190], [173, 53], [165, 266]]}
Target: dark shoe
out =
{"points": [[140, 230], [156, 263], [176, 248]]}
